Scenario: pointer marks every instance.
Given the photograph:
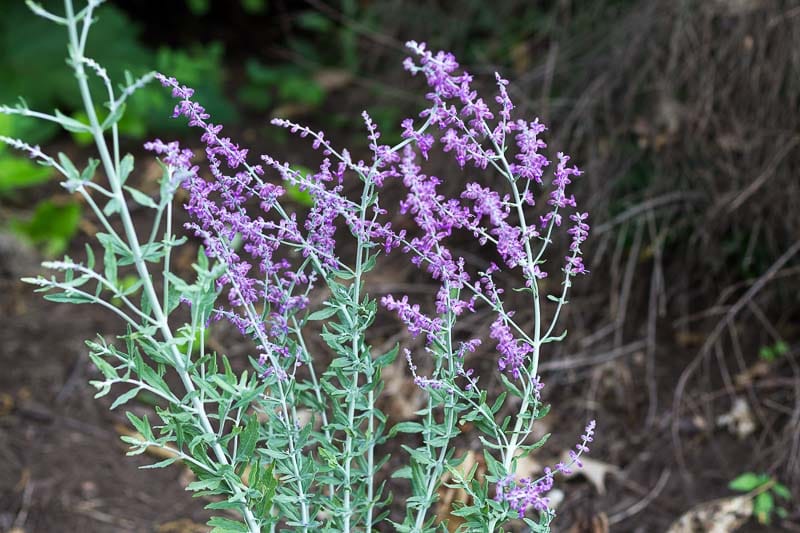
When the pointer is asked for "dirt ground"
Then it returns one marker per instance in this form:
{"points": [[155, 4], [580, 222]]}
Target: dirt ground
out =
{"points": [[63, 466]]}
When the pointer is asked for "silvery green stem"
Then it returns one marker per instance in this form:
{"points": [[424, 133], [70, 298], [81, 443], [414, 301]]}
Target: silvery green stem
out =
{"points": [[436, 471], [76, 54], [356, 292]]}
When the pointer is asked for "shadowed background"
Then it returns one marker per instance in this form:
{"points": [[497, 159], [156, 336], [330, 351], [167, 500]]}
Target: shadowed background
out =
{"points": [[683, 341]]}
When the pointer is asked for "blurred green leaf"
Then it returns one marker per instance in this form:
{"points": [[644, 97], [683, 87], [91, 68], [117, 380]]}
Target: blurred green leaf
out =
{"points": [[255, 97], [300, 89], [261, 74], [388, 120], [303, 198], [81, 138], [226, 525], [763, 506], [254, 6], [32, 50], [748, 481], [766, 353], [314, 21], [51, 226], [293, 192], [770, 353], [782, 491], [198, 7], [286, 84], [19, 172]]}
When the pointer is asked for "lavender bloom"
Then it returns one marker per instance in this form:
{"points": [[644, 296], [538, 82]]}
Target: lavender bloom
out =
{"points": [[531, 163], [513, 352], [268, 257], [476, 134], [579, 233], [421, 381], [436, 219], [527, 492], [488, 203], [424, 141], [412, 317], [467, 124], [558, 197], [174, 155], [330, 203], [220, 218], [459, 137]]}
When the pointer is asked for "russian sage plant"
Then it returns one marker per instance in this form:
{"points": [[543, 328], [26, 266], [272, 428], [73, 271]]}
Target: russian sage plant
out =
{"points": [[298, 442]]}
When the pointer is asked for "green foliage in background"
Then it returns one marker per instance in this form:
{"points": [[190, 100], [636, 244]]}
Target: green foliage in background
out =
{"points": [[774, 351], [26, 62], [202, 7], [17, 172], [51, 226], [32, 63], [765, 490], [268, 86]]}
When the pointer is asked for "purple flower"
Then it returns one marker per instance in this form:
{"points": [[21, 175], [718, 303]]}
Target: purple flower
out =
{"points": [[478, 131], [513, 351], [424, 141], [220, 216], [531, 163], [421, 381], [412, 317], [174, 155], [525, 493]]}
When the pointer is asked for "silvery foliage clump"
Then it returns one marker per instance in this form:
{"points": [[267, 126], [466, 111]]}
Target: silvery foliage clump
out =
{"points": [[248, 436]]}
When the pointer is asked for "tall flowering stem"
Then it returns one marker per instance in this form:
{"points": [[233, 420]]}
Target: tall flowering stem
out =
{"points": [[296, 441], [148, 328], [485, 138]]}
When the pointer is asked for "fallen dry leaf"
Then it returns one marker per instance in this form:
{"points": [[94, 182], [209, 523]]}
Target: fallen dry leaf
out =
{"points": [[6, 403], [717, 516], [593, 470], [739, 420], [688, 339], [556, 497], [528, 466], [758, 370]]}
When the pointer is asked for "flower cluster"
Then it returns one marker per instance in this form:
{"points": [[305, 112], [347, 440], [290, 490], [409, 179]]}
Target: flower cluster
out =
{"points": [[416, 321], [269, 254], [247, 244], [476, 134], [528, 492], [525, 493], [254, 246], [513, 351]]}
